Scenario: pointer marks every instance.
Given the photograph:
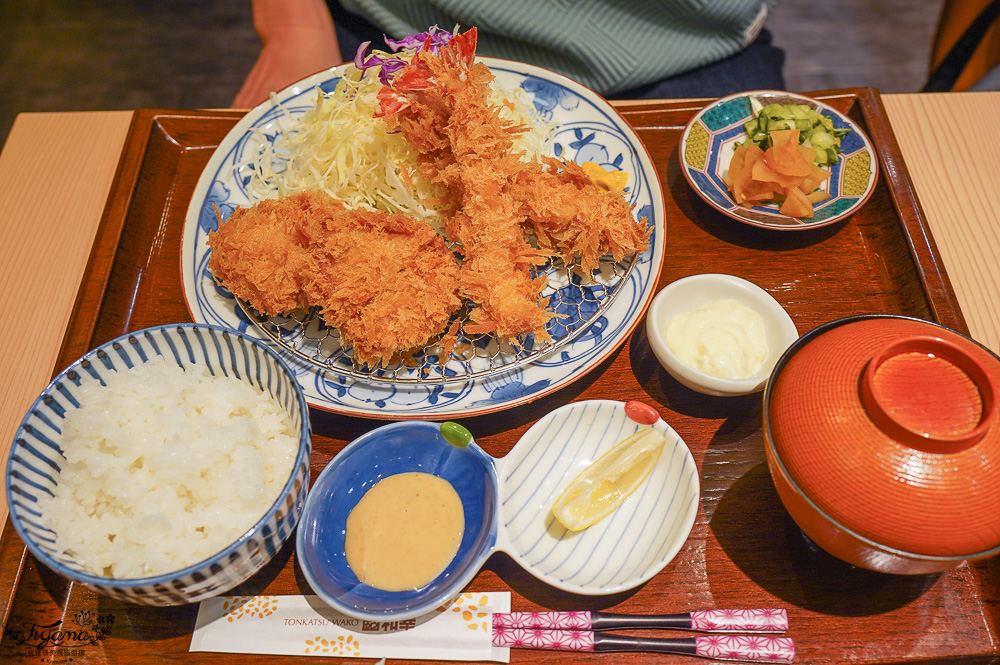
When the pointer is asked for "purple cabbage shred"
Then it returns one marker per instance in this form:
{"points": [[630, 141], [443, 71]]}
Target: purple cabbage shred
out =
{"points": [[438, 37], [389, 66]]}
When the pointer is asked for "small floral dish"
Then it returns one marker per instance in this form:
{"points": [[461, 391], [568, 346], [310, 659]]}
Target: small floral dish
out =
{"points": [[507, 504], [690, 293], [711, 136], [38, 463]]}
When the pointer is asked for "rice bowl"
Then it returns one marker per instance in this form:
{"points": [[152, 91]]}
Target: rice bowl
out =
{"points": [[38, 467], [164, 467]]}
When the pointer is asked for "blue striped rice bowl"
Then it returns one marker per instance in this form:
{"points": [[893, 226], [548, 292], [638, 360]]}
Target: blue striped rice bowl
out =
{"points": [[36, 461]]}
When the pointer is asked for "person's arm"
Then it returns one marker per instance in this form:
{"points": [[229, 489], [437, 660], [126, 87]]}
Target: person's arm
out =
{"points": [[298, 40]]}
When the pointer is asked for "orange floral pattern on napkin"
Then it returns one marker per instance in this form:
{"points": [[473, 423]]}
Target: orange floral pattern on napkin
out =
{"points": [[342, 645], [471, 607], [460, 630], [237, 607]]}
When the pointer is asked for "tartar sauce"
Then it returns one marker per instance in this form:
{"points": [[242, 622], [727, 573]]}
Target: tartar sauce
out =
{"points": [[722, 338]]}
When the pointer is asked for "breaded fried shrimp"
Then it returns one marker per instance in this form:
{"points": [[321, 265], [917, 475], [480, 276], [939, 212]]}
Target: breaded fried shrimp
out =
{"points": [[441, 104]]}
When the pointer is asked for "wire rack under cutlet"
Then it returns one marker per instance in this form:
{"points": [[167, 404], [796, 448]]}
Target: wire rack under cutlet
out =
{"points": [[578, 301]]}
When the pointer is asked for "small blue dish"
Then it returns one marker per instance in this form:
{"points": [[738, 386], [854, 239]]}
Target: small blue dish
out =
{"points": [[389, 450]]}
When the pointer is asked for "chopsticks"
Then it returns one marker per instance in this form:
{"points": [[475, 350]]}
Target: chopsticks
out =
{"points": [[581, 631], [748, 648], [706, 621]]}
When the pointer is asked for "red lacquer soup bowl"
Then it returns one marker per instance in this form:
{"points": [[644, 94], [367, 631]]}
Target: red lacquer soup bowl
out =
{"points": [[883, 439]]}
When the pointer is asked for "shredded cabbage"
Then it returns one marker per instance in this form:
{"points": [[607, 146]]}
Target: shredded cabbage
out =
{"points": [[338, 147]]}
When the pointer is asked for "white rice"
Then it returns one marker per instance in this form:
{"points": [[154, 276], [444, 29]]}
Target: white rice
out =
{"points": [[165, 467]]}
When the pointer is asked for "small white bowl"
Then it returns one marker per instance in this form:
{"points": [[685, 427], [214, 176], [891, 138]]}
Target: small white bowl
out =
{"points": [[691, 293]]}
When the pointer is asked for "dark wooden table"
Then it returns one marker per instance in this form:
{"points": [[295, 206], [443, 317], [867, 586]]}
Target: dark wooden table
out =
{"points": [[744, 550]]}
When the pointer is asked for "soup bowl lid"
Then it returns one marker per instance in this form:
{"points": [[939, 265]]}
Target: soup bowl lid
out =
{"points": [[889, 425]]}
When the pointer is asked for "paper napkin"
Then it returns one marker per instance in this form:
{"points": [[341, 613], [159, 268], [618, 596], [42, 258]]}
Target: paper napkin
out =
{"points": [[461, 630]]}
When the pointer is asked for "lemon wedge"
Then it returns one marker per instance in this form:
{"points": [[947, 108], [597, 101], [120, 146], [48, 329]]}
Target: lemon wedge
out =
{"points": [[606, 483]]}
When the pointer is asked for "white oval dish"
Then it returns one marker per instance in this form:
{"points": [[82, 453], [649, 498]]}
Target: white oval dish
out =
{"points": [[694, 291], [624, 549]]}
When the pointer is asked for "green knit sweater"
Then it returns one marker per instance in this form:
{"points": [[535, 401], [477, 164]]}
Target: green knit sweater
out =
{"points": [[608, 45]]}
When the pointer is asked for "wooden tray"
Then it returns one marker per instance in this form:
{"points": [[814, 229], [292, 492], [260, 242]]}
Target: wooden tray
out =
{"points": [[744, 550]]}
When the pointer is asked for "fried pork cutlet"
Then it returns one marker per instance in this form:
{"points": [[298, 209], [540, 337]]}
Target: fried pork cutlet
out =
{"points": [[262, 253], [386, 282]]}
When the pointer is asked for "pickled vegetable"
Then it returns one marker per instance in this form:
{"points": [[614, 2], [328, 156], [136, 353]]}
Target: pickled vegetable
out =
{"points": [[784, 173], [816, 131]]}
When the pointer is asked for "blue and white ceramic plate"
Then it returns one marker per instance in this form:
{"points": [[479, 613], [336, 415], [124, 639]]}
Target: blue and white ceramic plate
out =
{"points": [[587, 129], [710, 137], [508, 508]]}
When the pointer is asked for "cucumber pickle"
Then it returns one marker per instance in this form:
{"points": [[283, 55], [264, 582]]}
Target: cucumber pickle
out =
{"points": [[815, 129]]}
